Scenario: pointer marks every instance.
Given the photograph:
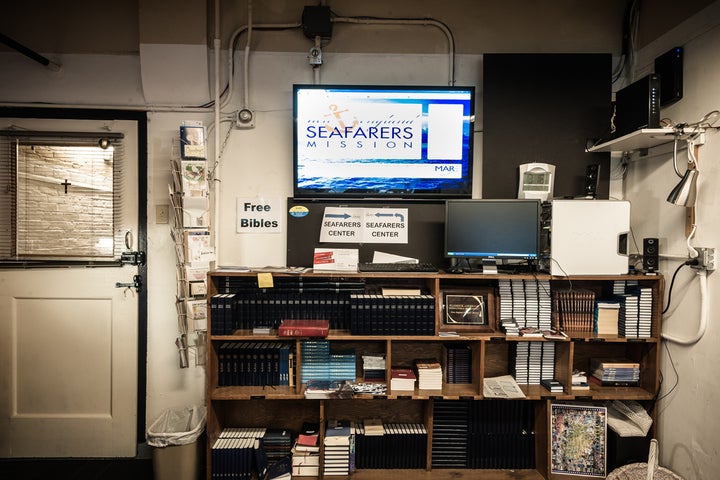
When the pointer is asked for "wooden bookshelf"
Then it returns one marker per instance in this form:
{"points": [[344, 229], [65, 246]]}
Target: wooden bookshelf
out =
{"points": [[491, 355]]}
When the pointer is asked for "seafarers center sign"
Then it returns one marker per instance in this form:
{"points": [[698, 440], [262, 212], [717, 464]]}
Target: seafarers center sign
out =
{"points": [[364, 225]]}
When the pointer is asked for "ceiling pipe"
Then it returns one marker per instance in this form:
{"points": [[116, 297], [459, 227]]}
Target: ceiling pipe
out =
{"points": [[55, 67]]}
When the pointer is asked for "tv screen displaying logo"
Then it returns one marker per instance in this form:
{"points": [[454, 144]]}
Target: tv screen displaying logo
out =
{"points": [[380, 141]]}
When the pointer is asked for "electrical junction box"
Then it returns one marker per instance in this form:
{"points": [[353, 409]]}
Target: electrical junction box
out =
{"points": [[316, 22]]}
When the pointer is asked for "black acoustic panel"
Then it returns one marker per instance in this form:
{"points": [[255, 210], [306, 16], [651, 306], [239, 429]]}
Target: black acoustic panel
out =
{"points": [[544, 108], [426, 231]]}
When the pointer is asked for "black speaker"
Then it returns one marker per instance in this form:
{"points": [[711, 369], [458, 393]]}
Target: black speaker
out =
{"points": [[651, 254], [592, 177]]}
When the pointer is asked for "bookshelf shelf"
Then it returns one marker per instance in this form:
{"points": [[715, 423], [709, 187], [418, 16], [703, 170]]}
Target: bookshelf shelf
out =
{"points": [[488, 353]]}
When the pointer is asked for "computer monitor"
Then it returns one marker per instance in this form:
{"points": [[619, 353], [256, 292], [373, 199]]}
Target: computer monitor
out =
{"points": [[492, 231]]}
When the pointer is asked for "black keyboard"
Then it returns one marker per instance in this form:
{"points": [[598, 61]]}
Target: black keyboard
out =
{"points": [[397, 267]]}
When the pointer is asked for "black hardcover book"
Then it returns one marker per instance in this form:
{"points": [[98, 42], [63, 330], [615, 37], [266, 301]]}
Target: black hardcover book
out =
{"points": [[279, 468]]}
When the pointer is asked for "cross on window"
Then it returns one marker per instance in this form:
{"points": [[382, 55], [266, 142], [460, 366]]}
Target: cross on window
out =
{"points": [[66, 184]]}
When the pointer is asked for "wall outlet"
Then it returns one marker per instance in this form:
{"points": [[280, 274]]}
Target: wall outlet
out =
{"points": [[705, 258], [162, 213]]}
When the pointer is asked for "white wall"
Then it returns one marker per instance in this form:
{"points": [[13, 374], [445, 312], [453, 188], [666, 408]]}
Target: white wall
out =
{"points": [[258, 162], [688, 419]]}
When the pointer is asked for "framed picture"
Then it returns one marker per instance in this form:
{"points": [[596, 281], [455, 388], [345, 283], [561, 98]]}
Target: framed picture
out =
{"points": [[578, 440], [471, 310]]}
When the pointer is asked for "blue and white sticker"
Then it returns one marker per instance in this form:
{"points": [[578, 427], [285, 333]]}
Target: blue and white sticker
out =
{"points": [[299, 211]]}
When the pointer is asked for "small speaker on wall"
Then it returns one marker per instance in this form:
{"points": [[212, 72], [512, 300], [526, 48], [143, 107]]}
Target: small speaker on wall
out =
{"points": [[651, 254]]}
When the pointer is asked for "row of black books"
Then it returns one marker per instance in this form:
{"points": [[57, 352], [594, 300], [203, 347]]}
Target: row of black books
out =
{"points": [[299, 284], [458, 363], [237, 458], [483, 434], [526, 301], [256, 364], [245, 453], [375, 314], [394, 445], [248, 310]]}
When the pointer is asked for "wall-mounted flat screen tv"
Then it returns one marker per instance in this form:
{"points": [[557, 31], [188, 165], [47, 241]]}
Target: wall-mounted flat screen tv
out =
{"points": [[383, 141]]}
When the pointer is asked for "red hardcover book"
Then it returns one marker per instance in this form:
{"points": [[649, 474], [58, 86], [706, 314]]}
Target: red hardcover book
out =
{"points": [[303, 328]]}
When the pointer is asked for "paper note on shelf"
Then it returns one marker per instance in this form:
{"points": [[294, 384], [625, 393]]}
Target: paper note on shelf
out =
{"points": [[335, 259]]}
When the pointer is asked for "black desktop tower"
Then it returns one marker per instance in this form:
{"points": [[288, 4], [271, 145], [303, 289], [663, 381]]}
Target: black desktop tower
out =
{"points": [[638, 106]]}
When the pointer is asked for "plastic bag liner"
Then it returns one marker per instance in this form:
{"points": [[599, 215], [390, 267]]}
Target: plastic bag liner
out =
{"points": [[177, 427]]}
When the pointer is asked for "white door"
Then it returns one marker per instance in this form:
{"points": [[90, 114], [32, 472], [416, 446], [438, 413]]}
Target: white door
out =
{"points": [[68, 342]]}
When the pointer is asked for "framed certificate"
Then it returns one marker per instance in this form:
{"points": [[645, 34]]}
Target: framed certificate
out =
{"points": [[468, 310]]}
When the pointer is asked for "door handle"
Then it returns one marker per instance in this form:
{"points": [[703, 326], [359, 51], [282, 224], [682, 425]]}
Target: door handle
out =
{"points": [[136, 283]]}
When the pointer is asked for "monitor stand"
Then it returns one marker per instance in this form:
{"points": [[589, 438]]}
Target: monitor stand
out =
{"points": [[489, 266]]}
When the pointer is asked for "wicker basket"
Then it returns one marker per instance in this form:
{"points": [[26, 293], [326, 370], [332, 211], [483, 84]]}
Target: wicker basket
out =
{"points": [[644, 471]]}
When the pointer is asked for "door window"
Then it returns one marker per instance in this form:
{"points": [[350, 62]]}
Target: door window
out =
{"points": [[60, 197]]}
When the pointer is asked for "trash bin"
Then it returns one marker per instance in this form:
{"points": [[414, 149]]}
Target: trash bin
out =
{"points": [[174, 438]]}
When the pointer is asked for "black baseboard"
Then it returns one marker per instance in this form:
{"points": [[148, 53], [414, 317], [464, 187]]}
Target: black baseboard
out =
{"points": [[76, 469]]}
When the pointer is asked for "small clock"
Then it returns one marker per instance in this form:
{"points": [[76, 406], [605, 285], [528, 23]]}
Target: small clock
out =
{"points": [[536, 181]]}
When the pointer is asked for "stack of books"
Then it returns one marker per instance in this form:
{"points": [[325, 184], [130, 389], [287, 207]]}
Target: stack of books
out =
{"points": [[336, 452], [306, 452], [614, 372], [607, 314], [315, 360], [402, 379], [322, 389], [636, 313], [534, 361], [319, 363], [374, 368], [579, 380], [430, 374], [342, 365], [277, 443], [305, 464], [526, 302], [511, 327], [552, 385]]}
